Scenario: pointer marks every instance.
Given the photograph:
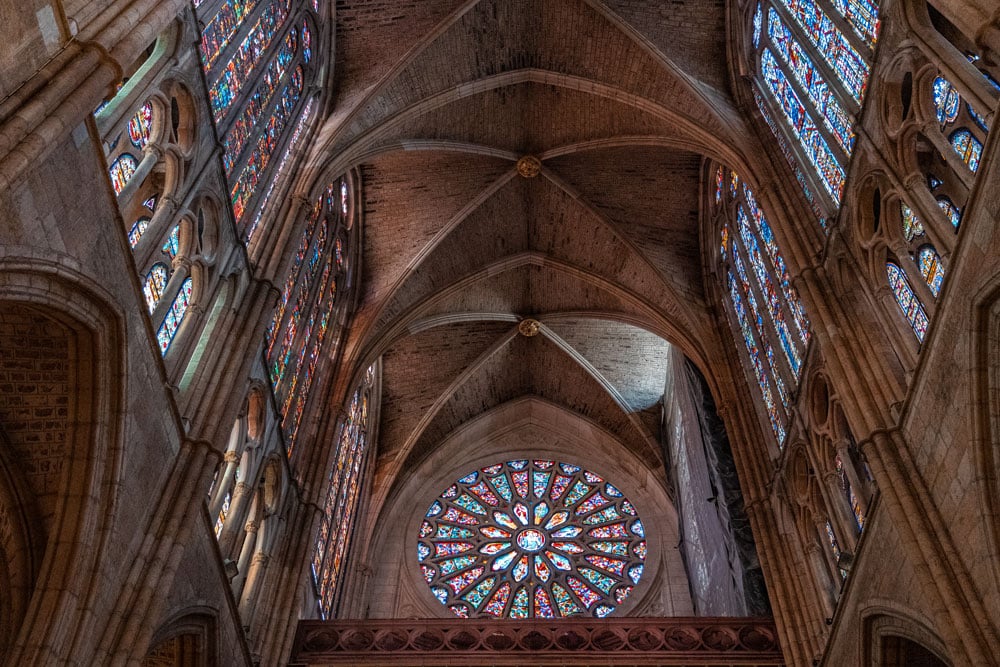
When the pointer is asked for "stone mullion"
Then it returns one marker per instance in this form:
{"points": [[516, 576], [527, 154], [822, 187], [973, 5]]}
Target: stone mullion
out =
{"points": [[803, 163], [783, 302], [843, 157], [237, 335], [942, 53], [818, 60], [851, 471], [770, 329], [838, 508], [923, 203], [754, 474], [913, 513], [870, 398]]}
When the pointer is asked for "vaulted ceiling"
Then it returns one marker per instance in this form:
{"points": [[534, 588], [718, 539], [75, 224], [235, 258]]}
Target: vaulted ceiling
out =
{"points": [[435, 103]]}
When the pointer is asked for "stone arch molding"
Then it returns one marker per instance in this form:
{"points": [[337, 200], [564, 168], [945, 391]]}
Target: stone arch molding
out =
{"points": [[523, 428], [68, 578], [885, 618]]}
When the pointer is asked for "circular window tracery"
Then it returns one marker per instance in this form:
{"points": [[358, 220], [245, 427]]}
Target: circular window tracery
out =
{"points": [[531, 539]]}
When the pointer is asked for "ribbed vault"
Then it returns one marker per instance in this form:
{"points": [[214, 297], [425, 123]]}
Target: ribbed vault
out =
{"points": [[436, 101]]}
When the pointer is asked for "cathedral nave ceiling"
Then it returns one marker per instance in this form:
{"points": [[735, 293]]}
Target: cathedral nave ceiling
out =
{"points": [[603, 247]]}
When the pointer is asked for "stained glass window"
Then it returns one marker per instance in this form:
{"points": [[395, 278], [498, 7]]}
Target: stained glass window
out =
{"points": [[931, 268], [817, 104], [832, 45], [175, 317], [304, 313], [968, 148], [237, 72], [863, 17], [220, 521], [796, 61], [242, 130], [907, 301], [293, 143], [803, 127], [121, 171], [153, 285], [912, 227], [173, 243], [946, 101], [140, 126], [852, 497], [245, 186], [769, 313], [531, 539], [137, 231], [343, 491], [223, 27], [719, 176], [951, 212]]}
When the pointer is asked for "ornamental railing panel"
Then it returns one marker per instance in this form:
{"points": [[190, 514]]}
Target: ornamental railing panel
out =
{"points": [[605, 642]]}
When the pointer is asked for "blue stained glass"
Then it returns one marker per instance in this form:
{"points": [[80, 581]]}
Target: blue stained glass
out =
{"points": [[175, 317], [790, 158], [907, 301], [946, 101], [792, 299], [758, 368], [758, 321], [863, 17], [306, 42], [773, 300], [803, 127], [951, 212], [757, 19], [823, 99], [850, 67], [968, 148]]}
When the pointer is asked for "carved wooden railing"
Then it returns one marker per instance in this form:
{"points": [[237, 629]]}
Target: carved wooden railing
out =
{"points": [[626, 641]]}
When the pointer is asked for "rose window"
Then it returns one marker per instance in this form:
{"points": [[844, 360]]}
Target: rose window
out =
{"points": [[531, 539]]}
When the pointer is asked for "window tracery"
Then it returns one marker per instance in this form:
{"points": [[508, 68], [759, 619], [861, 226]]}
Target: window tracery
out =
{"points": [[343, 491], [306, 309], [768, 312], [175, 316], [279, 41], [531, 538], [814, 76]]}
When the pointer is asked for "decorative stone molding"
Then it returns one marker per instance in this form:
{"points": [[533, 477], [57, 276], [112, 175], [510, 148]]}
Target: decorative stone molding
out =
{"points": [[529, 327], [633, 641]]}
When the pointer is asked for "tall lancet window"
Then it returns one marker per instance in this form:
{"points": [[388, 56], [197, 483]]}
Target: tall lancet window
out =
{"points": [[767, 314], [257, 58], [814, 59], [342, 494], [308, 306]]}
